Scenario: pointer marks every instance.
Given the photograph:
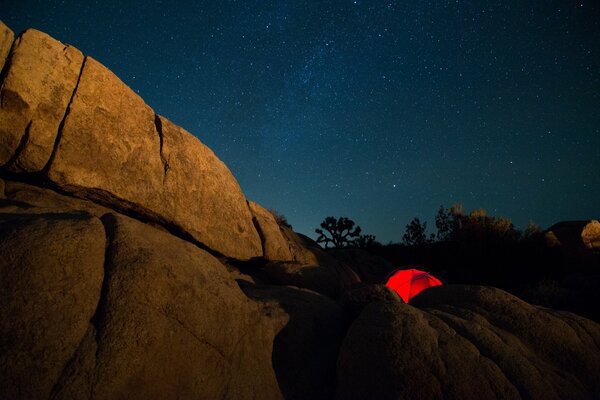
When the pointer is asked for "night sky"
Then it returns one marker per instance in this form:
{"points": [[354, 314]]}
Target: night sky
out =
{"points": [[375, 110]]}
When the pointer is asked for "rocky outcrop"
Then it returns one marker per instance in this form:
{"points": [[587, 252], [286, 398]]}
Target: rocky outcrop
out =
{"points": [[78, 127], [275, 246], [575, 235], [468, 342], [361, 295], [133, 267], [119, 309]]}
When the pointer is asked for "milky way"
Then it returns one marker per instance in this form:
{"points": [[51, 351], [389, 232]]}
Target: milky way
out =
{"points": [[378, 111]]}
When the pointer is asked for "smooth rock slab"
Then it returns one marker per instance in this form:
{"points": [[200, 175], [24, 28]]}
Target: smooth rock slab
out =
{"points": [[51, 271], [109, 144], [36, 91], [202, 196]]}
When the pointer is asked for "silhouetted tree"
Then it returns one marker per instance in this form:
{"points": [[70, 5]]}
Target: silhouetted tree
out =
{"points": [[339, 232], [415, 233]]}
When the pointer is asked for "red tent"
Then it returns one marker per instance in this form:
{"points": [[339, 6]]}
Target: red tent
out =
{"points": [[409, 282]]}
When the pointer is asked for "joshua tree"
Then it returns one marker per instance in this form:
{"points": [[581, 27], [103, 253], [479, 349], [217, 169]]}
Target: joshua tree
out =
{"points": [[339, 232]]}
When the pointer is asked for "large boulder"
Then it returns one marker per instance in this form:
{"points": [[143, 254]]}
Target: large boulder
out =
{"points": [[36, 91], [468, 342], [75, 121], [51, 272], [305, 350], [170, 324]]}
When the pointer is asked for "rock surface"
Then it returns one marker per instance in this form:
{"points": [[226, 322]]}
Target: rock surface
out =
{"points": [[6, 40], [370, 268], [202, 196], [361, 295], [305, 351], [36, 91], [468, 342], [170, 324], [275, 246], [51, 272]]}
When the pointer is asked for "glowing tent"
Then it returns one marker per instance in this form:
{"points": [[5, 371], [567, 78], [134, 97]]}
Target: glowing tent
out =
{"points": [[409, 282]]}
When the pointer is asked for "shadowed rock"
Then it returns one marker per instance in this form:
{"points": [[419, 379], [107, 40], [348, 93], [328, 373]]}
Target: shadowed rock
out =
{"points": [[51, 271], [468, 342], [305, 350], [40, 80]]}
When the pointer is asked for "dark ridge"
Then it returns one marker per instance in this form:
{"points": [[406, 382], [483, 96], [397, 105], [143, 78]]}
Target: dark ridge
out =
{"points": [[159, 130], [22, 144], [97, 320], [62, 122]]}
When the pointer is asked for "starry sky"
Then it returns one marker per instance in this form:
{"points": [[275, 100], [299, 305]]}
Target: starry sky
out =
{"points": [[375, 110]]}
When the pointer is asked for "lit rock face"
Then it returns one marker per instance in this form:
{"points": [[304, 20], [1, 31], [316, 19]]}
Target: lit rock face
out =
{"points": [[75, 122], [39, 83], [275, 246], [99, 305]]}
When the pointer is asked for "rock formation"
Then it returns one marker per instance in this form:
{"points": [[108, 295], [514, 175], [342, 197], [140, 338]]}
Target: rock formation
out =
{"points": [[468, 342], [132, 266]]}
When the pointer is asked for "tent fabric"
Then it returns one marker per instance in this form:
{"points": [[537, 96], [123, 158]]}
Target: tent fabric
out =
{"points": [[409, 282]]}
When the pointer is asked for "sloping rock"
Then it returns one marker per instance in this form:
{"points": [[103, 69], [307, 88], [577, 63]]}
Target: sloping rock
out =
{"points": [[330, 280], [304, 250], [6, 40], [51, 272], [170, 324], [370, 268], [305, 350], [468, 342], [109, 144], [23, 198], [202, 196], [275, 247], [113, 149], [362, 294], [37, 88]]}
